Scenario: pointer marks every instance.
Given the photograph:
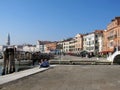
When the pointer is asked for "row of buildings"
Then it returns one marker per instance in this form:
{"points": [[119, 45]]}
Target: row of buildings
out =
{"points": [[98, 41], [90, 42]]}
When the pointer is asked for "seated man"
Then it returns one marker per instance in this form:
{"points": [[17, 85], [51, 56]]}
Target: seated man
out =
{"points": [[44, 63]]}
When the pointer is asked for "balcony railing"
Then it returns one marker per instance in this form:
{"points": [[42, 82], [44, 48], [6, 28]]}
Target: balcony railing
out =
{"points": [[112, 36]]}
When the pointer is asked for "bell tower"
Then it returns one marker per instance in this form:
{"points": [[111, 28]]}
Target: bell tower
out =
{"points": [[8, 39]]}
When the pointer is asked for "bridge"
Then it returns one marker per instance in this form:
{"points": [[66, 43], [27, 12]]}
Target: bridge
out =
{"points": [[115, 57]]}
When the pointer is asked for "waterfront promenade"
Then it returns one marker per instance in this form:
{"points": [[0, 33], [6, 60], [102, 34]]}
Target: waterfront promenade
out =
{"points": [[64, 77], [70, 77], [74, 60], [68, 57]]}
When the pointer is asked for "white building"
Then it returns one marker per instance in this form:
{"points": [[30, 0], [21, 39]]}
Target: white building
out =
{"points": [[60, 46], [41, 46], [99, 37], [19, 47], [100, 41], [29, 48], [89, 42], [2, 47], [72, 45], [92, 42], [66, 45]]}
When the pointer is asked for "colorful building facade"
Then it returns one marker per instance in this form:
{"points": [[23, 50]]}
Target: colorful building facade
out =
{"points": [[112, 35]]}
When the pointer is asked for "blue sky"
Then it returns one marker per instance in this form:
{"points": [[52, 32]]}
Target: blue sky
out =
{"points": [[30, 20]]}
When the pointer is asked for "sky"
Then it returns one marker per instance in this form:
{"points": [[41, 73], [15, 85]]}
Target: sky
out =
{"points": [[30, 20]]}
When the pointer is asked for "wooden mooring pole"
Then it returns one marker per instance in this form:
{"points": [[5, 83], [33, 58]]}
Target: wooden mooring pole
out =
{"points": [[9, 61]]}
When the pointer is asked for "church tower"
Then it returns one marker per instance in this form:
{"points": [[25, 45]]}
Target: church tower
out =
{"points": [[8, 40]]}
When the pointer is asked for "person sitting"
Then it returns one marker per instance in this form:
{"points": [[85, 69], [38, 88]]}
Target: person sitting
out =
{"points": [[44, 63]]}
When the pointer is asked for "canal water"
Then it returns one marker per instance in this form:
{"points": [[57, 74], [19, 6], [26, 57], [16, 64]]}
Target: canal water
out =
{"points": [[23, 66]]}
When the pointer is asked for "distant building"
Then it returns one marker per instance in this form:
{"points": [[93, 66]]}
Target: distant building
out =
{"points": [[89, 42], [40, 46], [51, 47], [60, 46], [29, 48], [19, 47], [104, 46], [92, 42], [3, 47], [46, 46], [78, 43], [72, 45], [66, 45], [99, 42]]}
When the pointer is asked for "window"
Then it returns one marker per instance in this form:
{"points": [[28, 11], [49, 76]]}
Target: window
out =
{"points": [[89, 39], [111, 33], [96, 41], [84, 39], [111, 43], [96, 47], [118, 32], [96, 36], [118, 42]]}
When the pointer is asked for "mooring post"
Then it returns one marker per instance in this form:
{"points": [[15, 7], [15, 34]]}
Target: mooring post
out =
{"points": [[6, 61], [4, 64], [11, 60]]}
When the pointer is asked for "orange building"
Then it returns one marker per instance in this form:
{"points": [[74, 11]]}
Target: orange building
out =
{"points": [[104, 46], [79, 42], [112, 35], [51, 46]]}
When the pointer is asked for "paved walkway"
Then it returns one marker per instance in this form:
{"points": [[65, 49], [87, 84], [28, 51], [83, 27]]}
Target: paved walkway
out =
{"points": [[17, 75]]}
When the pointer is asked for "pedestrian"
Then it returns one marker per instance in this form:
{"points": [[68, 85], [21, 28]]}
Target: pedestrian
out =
{"points": [[40, 62]]}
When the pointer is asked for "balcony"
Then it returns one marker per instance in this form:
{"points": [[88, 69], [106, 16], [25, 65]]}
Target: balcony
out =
{"points": [[112, 37]]}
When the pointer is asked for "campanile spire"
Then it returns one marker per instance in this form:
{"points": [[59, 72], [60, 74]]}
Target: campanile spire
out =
{"points": [[8, 39]]}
